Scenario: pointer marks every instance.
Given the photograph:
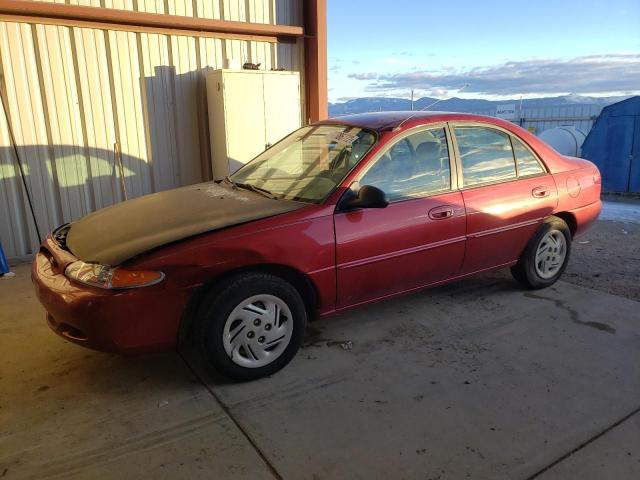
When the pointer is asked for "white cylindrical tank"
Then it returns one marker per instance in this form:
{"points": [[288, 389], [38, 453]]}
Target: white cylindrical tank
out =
{"points": [[566, 140]]}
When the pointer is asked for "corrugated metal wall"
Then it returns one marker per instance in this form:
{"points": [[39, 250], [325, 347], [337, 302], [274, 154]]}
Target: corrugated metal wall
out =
{"points": [[73, 93], [579, 116], [540, 119]]}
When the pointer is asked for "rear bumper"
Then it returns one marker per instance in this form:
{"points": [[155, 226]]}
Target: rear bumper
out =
{"points": [[586, 216], [128, 321]]}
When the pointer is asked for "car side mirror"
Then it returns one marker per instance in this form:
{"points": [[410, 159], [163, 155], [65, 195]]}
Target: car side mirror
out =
{"points": [[367, 196]]}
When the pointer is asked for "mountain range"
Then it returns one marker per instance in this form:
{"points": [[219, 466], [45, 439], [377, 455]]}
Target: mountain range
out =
{"points": [[454, 104]]}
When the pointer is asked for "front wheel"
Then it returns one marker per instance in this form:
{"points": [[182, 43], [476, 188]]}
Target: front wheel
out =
{"points": [[546, 256], [252, 326]]}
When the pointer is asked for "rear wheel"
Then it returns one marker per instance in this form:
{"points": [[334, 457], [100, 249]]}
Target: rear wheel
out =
{"points": [[251, 327], [546, 256]]}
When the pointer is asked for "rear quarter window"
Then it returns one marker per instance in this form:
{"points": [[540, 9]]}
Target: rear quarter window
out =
{"points": [[527, 162]]}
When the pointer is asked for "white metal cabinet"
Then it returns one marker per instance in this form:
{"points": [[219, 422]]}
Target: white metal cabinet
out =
{"points": [[248, 111]]}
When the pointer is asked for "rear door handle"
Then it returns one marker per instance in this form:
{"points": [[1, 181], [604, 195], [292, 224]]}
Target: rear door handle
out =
{"points": [[440, 213], [540, 192]]}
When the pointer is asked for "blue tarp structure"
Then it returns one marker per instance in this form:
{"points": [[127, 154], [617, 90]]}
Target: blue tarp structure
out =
{"points": [[613, 144]]}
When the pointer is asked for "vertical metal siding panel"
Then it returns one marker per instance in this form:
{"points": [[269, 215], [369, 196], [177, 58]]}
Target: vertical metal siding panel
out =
{"points": [[96, 111], [264, 14], [211, 53], [211, 58], [181, 7], [234, 48], [186, 94], [25, 106], [289, 55], [19, 227], [151, 6], [159, 102], [119, 4], [84, 3], [129, 109], [68, 169], [127, 92], [260, 52], [159, 111], [14, 231], [251, 15], [61, 171], [207, 9]]}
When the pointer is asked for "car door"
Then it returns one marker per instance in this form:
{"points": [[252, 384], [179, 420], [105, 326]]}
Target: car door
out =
{"points": [[418, 239], [507, 193]]}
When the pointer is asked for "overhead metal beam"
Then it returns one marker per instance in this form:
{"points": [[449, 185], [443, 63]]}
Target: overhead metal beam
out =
{"points": [[98, 17]]}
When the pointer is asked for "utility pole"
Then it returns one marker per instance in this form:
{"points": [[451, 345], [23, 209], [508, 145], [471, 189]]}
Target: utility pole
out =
{"points": [[412, 100], [520, 120]]}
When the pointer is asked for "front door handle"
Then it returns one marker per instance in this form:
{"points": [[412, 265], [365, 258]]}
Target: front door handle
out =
{"points": [[440, 213], [540, 192]]}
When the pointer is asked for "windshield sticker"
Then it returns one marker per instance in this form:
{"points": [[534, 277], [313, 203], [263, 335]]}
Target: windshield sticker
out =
{"points": [[342, 138]]}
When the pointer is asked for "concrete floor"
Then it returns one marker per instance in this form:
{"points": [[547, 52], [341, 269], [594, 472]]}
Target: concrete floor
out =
{"points": [[478, 379]]}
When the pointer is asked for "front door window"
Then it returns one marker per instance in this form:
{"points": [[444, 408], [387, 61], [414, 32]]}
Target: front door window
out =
{"points": [[416, 166]]}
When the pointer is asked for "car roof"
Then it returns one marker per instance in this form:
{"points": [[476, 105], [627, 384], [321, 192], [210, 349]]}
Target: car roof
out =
{"points": [[389, 120]]}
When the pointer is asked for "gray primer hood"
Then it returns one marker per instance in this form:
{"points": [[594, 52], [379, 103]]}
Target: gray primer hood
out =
{"points": [[114, 234]]}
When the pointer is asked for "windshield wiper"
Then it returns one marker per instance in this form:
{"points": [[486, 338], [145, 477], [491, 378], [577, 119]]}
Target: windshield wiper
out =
{"points": [[253, 188]]}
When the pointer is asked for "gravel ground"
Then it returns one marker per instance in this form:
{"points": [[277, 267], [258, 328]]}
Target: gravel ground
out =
{"points": [[607, 258]]}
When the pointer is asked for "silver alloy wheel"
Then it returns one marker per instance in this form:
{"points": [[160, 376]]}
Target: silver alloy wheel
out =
{"points": [[257, 331], [551, 253]]}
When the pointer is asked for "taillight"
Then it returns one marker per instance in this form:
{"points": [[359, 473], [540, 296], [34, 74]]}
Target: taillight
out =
{"points": [[103, 276]]}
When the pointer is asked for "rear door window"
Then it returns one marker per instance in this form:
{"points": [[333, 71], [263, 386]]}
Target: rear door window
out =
{"points": [[486, 155]]}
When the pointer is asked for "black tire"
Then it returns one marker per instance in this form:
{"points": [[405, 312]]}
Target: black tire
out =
{"points": [[525, 270], [220, 302]]}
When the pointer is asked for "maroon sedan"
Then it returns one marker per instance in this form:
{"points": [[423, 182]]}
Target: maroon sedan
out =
{"points": [[338, 214]]}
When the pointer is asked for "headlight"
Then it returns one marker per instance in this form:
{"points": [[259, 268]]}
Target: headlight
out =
{"points": [[102, 276]]}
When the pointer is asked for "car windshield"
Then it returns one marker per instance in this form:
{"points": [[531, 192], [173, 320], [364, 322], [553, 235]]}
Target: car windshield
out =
{"points": [[308, 164]]}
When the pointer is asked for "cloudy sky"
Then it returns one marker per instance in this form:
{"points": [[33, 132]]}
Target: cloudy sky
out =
{"points": [[497, 48]]}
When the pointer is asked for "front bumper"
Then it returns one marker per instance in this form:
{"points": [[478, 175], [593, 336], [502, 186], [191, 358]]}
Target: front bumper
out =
{"points": [[129, 321]]}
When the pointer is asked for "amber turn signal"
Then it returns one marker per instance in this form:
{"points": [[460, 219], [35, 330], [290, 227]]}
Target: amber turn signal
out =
{"points": [[132, 279]]}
